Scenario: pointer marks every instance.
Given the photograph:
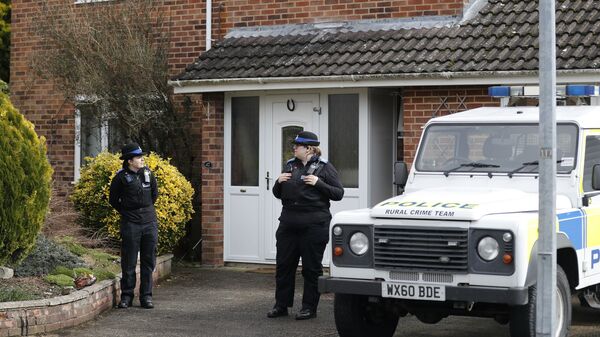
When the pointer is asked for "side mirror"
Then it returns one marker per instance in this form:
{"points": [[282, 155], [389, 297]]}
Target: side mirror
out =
{"points": [[596, 177], [401, 173]]}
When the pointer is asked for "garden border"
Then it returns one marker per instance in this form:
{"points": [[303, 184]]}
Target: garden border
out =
{"points": [[39, 316]]}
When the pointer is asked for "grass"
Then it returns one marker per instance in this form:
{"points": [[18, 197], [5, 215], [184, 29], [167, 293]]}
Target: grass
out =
{"points": [[60, 280]]}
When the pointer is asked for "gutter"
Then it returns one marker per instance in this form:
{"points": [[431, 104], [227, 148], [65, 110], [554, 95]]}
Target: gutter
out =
{"points": [[412, 79]]}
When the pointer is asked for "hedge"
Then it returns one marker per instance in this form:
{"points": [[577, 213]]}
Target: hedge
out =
{"points": [[25, 183]]}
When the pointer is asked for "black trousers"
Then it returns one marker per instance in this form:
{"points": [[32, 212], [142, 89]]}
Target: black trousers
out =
{"points": [[136, 238], [293, 242]]}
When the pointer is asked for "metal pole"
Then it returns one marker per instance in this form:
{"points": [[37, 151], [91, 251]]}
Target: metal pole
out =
{"points": [[208, 24], [546, 276]]}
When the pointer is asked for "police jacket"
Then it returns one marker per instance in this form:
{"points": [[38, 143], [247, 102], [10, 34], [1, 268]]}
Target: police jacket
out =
{"points": [[133, 195], [306, 204]]}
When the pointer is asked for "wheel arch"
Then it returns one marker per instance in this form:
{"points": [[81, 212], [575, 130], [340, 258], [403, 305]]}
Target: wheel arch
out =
{"points": [[566, 257]]}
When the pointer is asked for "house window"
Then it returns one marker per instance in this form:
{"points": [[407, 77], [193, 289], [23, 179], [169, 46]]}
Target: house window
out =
{"points": [[343, 137], [244, 141], [93, 135]]}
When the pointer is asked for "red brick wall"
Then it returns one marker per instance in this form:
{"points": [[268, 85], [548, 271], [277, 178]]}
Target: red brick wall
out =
{"points": [[421, 103], [212, 179], [246, 13]]}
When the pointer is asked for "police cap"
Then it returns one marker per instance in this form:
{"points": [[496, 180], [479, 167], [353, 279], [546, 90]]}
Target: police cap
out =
{"points": [[131, 150], [306, 138]]}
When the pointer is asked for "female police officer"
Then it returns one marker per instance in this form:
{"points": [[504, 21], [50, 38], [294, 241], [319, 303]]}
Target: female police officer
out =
{"points": [[305, 188], [133, 192]]}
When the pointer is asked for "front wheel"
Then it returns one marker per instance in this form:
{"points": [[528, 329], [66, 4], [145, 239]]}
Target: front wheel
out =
{"points": [[522, 318], [355, 316]]}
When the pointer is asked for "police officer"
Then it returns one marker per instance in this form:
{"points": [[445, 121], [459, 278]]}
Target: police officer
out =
{"points": [[305, 188], [133, 192]]}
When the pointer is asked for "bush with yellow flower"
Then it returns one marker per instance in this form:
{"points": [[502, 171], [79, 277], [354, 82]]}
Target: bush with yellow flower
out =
{"points": [[173, 206]]}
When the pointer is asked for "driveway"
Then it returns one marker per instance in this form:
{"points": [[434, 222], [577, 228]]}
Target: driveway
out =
{"points": [[234, 302]]}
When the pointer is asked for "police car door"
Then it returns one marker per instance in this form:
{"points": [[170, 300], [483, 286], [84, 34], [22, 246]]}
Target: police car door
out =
{"points": [[591, 154]]}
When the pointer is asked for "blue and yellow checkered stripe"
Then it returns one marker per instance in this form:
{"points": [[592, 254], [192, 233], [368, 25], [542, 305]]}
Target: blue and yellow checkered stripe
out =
{"points": [[573, 224], [582, 226]]}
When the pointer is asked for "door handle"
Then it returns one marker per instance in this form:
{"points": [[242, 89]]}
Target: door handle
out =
{"points": [[268, 179]]}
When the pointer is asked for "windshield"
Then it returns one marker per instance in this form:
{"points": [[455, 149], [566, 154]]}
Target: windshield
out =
{"points": [[510, 148]]}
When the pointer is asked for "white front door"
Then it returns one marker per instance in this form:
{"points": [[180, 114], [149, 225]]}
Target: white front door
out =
{"points": [[286, 116]]}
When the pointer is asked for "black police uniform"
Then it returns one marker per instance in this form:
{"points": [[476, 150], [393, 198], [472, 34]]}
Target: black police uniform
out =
{"points": [[304, 228], [133, 195]]}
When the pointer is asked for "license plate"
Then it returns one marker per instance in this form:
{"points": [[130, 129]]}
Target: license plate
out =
{"points": [[413, 291]]}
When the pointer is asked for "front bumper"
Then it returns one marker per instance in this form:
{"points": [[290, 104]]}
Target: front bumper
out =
{"points": [[510, 296]]}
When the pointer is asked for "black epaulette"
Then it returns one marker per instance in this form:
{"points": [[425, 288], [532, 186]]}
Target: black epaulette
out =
{"points": [[316, 166], [126, 175]]}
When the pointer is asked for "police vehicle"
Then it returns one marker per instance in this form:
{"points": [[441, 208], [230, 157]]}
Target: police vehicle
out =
{"points": [[462, 237]]}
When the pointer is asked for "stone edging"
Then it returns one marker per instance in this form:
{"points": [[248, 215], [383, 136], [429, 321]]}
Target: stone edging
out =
{"points": [[39, 316]]}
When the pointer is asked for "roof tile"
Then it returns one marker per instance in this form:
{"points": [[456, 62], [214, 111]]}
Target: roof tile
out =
{"points": [[502, 37]]}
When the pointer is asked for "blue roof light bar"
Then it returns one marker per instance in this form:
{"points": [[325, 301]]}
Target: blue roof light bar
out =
{"points": [[561, 90], [499, 91], [582, 90]]}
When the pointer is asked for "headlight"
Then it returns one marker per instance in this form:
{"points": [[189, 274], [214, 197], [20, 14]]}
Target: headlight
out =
{"points": [[487, 248], [337, 230], [359, 243]]}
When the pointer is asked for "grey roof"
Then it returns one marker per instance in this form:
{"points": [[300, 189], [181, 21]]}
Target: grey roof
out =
{"points": [[501, 37]]}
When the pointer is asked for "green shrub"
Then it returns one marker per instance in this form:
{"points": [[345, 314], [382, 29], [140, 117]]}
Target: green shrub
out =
{"points": [[60, 279], [173, 207], [46, 257], [25, 178]]}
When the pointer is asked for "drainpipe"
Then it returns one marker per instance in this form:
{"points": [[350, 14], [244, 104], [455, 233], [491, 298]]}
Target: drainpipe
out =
{"points": [[208, 24]]}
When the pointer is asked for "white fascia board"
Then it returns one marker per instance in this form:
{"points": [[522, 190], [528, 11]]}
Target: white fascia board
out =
{"points": [[362, 81]]}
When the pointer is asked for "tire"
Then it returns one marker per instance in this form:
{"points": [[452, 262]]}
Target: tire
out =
{"points": [[355, 316], [522, 318]]}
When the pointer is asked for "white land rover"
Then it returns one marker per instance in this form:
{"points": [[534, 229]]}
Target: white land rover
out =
{"points": [[461, 239]]}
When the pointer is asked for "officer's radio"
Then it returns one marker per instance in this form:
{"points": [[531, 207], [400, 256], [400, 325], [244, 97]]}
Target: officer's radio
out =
{"points": [[146, 176]]}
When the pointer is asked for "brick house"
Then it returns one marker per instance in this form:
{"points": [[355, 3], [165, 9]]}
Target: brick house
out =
{"points": [[365, 75]]}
